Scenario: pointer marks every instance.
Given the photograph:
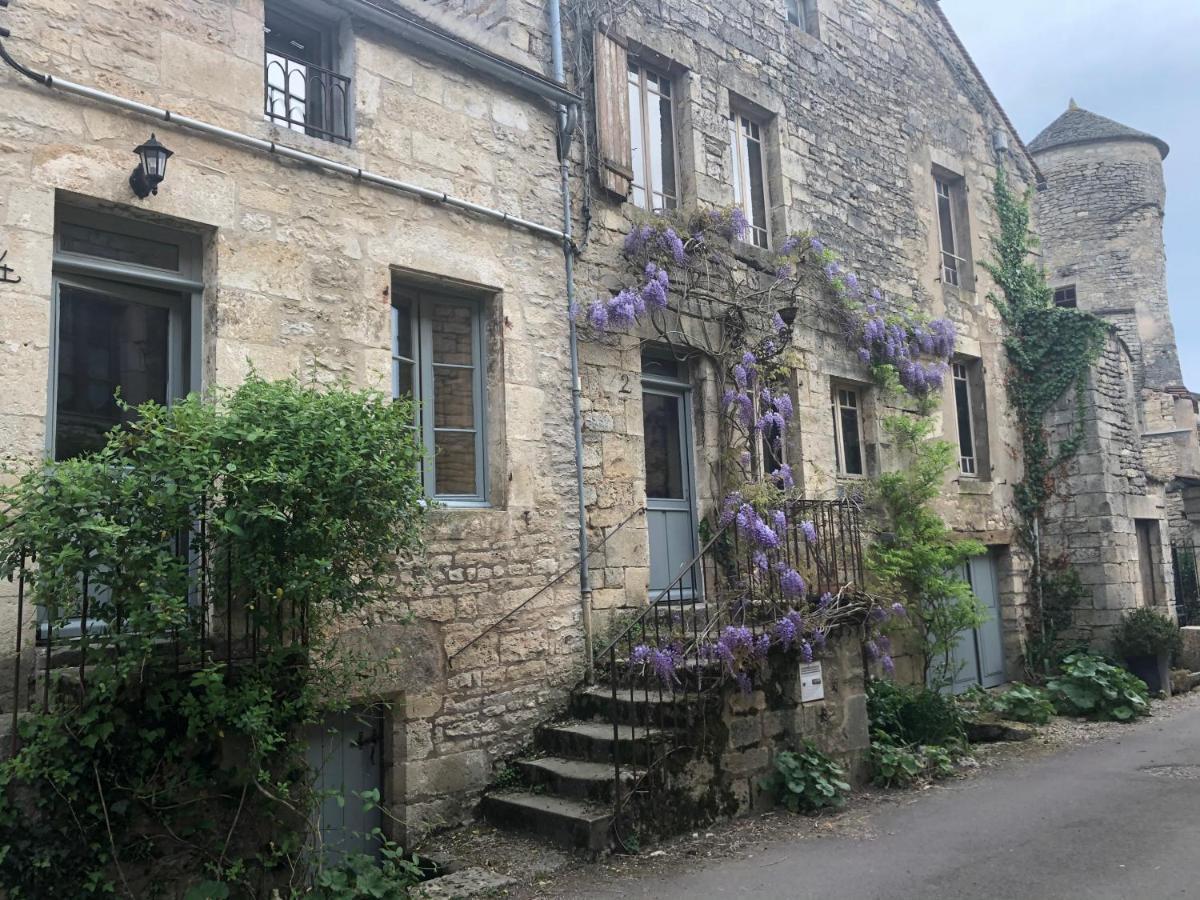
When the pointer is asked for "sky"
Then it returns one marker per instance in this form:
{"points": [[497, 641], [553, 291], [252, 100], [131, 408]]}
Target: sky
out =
{"points": [[1137, 63]]}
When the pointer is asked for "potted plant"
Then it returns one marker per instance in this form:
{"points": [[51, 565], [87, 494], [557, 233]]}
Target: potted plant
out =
{"points": [[1147, 640]]}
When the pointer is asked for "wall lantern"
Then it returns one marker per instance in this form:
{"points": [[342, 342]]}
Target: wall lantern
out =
{"points": [[152, 168]]}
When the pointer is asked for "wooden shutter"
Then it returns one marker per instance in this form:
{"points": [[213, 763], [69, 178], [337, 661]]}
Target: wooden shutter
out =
{"points": [[612, 115]]}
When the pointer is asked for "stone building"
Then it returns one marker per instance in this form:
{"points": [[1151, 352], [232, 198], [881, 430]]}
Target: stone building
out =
{"points": [[370, 189], [1133, 493]]}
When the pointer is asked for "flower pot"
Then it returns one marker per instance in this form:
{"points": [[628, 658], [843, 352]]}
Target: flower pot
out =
{"points": [[1153, 670]]}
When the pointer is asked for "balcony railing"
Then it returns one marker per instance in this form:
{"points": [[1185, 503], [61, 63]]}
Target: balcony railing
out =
{"points": [[304, 97]]}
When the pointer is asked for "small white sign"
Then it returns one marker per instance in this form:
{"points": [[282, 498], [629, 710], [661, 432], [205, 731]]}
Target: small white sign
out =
{"points": [[812, 685]]}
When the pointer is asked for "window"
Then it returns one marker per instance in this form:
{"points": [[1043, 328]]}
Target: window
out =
{"points": [[966, 420], [749, 176], [847, 430], [1065, 297], [950, 212], [803, 13], [652, 139], [438, 360], [125, 297], [303, 92]]}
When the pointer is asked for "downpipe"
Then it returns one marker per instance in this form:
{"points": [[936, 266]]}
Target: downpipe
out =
{"points": [[567, 118]]}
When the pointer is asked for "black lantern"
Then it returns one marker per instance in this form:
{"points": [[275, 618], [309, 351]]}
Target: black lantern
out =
{"points": [[151, 170]]}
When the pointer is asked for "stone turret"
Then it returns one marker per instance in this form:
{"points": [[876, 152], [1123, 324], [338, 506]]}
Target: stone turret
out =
{"points": [[1101, 220], [1133, 491]]}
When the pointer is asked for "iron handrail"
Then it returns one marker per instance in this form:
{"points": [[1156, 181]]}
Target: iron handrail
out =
{"points": [[556, 580]]}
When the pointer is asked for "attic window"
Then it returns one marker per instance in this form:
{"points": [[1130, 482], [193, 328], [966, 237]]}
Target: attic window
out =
{"points": [[1065, 297]]}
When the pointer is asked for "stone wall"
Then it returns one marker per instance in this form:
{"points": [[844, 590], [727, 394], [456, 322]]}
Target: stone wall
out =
{"points": [[738, 746], [298, 270], [1092, 516], [856, 122]]}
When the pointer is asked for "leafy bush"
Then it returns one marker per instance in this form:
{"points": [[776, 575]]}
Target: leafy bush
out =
{"points": [[308, 494], [898, 765], [808, 780], [1147, 632], [914, 715], [922, 559], [1091, 687], [1023, 704]]}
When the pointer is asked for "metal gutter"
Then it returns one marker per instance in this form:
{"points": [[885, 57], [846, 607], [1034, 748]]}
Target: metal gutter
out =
{"points": [[246, 140], [468, 54], [566, 125]]}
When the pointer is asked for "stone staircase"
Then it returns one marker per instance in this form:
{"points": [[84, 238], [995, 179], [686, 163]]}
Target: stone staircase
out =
{"points": [[570, 784]]}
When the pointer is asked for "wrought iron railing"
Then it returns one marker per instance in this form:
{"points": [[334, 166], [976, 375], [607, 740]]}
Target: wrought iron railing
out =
{"points": [[1184, 558], [307, 98], [656, 716], [223, 622]]}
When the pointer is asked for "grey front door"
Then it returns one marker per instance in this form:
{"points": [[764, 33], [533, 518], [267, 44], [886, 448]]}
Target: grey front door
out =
{"points": [[980, 652], [670, 486], [346, 752]]}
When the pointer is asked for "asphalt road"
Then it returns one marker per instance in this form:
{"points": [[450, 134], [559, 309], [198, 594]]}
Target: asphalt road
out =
{"points": [[1118, 818]]}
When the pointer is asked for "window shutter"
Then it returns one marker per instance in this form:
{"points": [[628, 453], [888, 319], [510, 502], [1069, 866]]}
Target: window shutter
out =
{"points": [[612, 115]]}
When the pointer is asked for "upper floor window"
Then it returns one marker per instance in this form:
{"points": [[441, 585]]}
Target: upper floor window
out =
{"points": [[652, 139], [438, 361], [966, 420], [803, 13], [847, 431], [952, 235], [750, 176], [304, 93], [1065, 297]]}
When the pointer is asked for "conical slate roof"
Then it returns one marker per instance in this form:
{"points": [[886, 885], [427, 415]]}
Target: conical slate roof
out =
{"points": [[1079, 126]]}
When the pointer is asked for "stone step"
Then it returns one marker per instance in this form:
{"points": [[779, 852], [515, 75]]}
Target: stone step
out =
{"points": [[594, 742], [572, 823], [652, 705], [575, 778]]}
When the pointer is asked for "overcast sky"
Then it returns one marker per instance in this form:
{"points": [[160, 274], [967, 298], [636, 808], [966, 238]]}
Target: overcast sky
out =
{"points": [[1138, 63]]}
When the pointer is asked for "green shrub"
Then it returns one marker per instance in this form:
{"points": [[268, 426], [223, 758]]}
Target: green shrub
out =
{"points": [[897, 765], [1091, 687], [1147, 632], [914, 715], [808, 780], [1023, 704]]}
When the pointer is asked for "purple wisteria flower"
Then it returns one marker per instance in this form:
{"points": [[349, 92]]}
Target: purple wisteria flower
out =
{"points": [[777, 323], [817, 246], [809, 530], [662, 661], [899, 610], [889, 665], [792, 584], [783, 477], [806, 652], [790, 245]]}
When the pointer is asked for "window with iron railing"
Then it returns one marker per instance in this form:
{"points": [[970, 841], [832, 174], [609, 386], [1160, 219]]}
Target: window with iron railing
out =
{"points": [[303, 93]]}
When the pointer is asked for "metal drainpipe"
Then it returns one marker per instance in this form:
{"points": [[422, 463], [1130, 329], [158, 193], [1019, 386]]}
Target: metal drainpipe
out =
{"points": [[565, 125]]}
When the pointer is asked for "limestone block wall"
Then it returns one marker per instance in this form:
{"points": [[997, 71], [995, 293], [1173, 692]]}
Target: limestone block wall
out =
{"points": [[299, 266], [1093, 515], [856, 121]]}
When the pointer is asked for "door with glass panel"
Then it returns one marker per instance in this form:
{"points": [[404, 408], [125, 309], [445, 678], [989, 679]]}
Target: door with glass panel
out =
{"points": [[670, 485]]}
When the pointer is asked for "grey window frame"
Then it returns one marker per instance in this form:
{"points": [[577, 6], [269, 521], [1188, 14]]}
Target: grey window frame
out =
{"points": [[421, 358], [802, 14], [96, 273], [839, 439], [953, 266], [639, 125], [968, 463], [742, 130], [1066, 297]]}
